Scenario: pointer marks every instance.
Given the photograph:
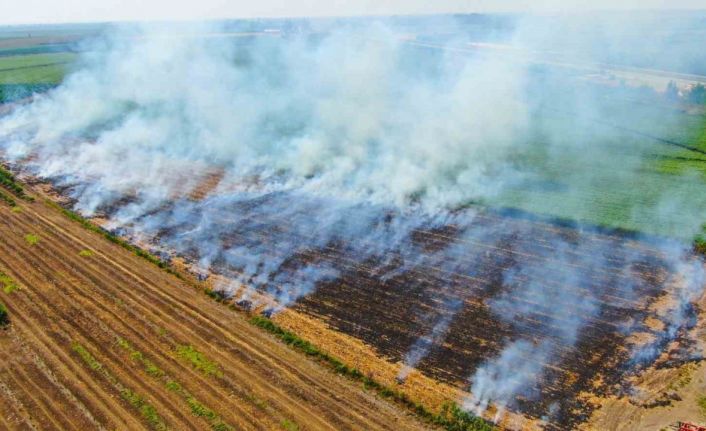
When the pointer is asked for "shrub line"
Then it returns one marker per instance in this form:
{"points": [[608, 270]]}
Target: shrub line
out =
{"points": [[7, 180]]}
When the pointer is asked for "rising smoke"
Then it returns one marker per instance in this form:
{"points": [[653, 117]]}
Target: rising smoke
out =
{"points": [[348, 142]]}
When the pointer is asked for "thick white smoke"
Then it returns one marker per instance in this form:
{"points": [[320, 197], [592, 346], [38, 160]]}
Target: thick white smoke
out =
{"points": [[344, 144], [337, 117]]}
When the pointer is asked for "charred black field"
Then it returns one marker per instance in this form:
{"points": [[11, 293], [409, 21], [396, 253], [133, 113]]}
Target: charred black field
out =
{"points": [[404, 308], [455, 295]]}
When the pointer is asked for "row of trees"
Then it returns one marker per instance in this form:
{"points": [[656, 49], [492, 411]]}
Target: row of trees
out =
{"points": [[695, 94]]}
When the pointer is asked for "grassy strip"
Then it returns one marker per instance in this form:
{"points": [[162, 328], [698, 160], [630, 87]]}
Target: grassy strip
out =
{"points": [[197, 360], [451, 417], [7, 283], [4, 315], [8, 181], [8, 199], [196, 407], [114, 239], [147, 410]]}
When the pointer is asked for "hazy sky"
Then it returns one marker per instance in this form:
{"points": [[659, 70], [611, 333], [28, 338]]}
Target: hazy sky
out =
{"points": [[40, 11]]}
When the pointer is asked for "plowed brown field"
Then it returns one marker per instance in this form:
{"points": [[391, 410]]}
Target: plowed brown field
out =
{"points": [[95, 342]]}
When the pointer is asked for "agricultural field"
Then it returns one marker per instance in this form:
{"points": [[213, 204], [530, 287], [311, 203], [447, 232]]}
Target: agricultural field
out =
{"points": [[32, 61], [34, 69], [99, 338], [326, 231], [667, 148]]}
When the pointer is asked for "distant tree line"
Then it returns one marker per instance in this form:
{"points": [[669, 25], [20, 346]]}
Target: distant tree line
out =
{"points": [[696, 94]]}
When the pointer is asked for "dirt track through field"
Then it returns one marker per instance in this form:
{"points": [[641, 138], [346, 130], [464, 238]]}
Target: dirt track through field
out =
{"points": [[96, 302]]}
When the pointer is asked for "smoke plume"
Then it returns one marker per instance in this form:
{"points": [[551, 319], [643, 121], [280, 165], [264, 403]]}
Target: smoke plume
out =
{"points": [[283, 161]]}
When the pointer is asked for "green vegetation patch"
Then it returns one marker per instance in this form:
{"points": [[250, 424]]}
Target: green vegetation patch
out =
{"points": [[700, 241], [638, 167], [8, 284], [8, 181], [454, 418], [21, 76], [86, 253], [44, 48], [8, 200], [32, 69], [31, 239], [198, 360], [147, 410], [289, 425], [197, 408], [4, 315]]}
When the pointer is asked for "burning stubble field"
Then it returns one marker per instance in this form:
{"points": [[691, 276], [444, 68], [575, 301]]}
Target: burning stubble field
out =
{"points": [[444, 225]]}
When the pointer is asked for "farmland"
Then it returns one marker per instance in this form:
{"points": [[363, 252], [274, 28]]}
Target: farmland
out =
{"points": [[107, 340], [34, 68], [33, 64], [536, 267]]}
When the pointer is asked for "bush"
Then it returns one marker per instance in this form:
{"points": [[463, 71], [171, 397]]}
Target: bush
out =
{"points": [[4, 315], [31, 239], [289, 425], [7, 283]]}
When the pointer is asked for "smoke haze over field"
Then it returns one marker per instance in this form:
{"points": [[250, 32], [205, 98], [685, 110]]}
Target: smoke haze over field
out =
{"points": [[351, 141], [43, 11], [308, 109]]}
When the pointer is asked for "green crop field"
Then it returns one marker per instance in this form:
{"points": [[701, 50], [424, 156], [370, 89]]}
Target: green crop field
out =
{"points": [[35, 59], [641, 178], [35, 68]]}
